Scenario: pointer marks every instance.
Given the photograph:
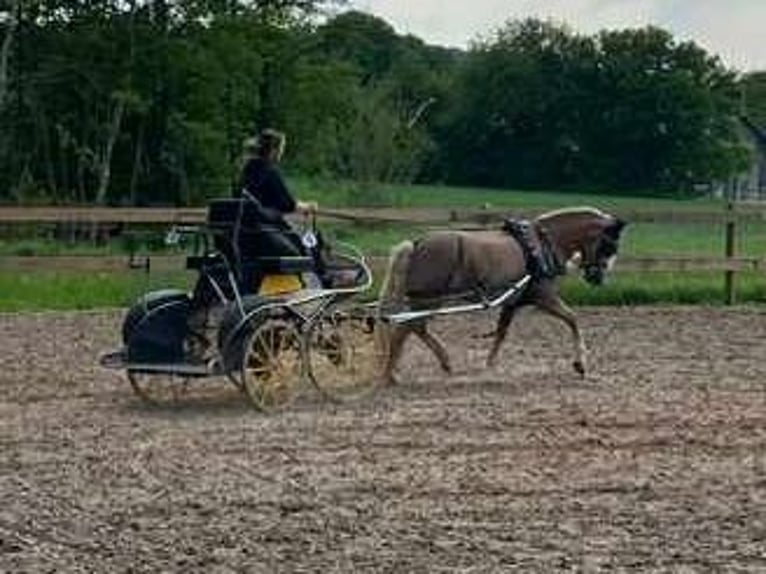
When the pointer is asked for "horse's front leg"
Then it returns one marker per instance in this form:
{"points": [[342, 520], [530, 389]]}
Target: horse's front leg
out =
{"points": [[554, 306]]}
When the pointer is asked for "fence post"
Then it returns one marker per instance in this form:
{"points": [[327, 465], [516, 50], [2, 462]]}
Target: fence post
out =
{"points": [[730, 280]]}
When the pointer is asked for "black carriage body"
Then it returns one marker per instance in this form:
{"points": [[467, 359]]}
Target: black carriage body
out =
{"points": [[155, 327], [254, 268], [263, 302]]}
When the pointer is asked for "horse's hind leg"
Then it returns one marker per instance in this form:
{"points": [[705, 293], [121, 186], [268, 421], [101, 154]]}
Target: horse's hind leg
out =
{"points": [[557, 308], [433, 343], [503, 323], [396, 336]]}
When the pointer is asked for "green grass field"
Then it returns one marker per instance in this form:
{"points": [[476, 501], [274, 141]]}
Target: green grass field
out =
{"points": [[339, 194], [45, 290]]}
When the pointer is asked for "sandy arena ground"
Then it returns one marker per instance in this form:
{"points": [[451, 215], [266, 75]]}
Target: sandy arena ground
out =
{"points": [[656, 462]]}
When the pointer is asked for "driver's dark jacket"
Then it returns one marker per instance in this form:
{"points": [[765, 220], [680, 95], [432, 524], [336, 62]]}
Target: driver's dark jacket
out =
{"points": [[264, 182]]}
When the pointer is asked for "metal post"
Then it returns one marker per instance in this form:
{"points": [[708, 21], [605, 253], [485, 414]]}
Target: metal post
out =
{"points": [[731, 250]]}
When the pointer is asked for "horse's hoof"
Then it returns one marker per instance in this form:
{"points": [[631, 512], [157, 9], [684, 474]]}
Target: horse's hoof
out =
{"points": [[488, 335], [390, 381], [580, 368]]}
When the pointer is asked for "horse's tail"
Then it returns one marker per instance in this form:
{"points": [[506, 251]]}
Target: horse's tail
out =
{"points": [[393, 289]]}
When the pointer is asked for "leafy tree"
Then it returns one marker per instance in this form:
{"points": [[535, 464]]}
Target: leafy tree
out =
{"points": [[540, 106], [370, 122], [147, 101], [667, 113], [137, 100], [753, 91], [514, 120]]}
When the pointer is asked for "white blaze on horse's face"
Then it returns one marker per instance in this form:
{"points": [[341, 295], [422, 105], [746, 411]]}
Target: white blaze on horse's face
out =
{"points": [[575, 262], [602, 253]]}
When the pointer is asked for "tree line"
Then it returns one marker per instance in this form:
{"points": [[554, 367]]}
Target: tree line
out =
{"points": [[148, 101]]}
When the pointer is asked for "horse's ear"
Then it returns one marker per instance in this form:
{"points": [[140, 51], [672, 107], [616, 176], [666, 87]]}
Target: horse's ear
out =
{"points": [[616, 228]]}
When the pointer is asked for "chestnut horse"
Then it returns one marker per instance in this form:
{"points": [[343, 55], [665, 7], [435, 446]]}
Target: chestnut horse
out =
{"points": [[445, 265]]}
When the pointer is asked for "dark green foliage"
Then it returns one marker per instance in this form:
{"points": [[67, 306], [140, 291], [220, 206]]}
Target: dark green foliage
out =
{"points": [[540, 106], [138, 102], [753, 88], [359, 98], [143, 102]]}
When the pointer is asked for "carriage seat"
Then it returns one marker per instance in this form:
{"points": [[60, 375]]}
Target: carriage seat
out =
{"points": [[212, 262]]}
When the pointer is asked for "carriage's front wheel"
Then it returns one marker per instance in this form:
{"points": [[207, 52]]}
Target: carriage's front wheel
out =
{"points": [[273, 364], [346, 353]]}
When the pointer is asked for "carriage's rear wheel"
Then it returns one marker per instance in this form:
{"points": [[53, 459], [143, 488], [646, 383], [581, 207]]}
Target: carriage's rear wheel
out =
{"points": [[273, 364], [159, 388], [346, 353]]}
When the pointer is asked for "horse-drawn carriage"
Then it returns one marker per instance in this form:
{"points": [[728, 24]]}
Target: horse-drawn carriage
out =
{"points": [[271, 309]]}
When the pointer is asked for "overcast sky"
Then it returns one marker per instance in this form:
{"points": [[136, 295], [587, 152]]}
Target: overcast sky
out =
{"points": [[733, 29]]}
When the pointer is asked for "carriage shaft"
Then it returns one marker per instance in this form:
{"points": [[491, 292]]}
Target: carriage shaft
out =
{"points": [[408, 316]]}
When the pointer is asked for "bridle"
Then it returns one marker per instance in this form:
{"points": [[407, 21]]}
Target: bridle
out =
{"points": [[596, 256], [596, 251]]}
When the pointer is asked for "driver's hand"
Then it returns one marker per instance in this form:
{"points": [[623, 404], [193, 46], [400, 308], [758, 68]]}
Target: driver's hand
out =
{"points": [[308, 207]]}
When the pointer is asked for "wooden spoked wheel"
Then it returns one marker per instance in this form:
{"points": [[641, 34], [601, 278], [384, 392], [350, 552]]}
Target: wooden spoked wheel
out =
{"points": [[346, 353], [273, 364], [159, 388]]}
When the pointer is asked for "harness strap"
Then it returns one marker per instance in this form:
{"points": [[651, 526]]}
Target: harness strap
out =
{"points": [[541, 263], [552, 262]]}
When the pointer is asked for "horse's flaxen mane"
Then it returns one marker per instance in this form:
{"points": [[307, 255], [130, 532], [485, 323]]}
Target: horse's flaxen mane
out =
{"points": [[572, 211]]}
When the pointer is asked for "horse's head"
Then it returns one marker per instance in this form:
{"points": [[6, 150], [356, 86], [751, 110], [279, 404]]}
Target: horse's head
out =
{"points": [[587, 235], [599, 254]]}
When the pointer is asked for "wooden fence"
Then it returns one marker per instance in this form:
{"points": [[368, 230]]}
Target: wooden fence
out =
{"points": [[426, 215], [729, 263]]}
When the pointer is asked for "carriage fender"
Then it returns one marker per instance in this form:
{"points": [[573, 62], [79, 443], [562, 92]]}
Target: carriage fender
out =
{"points": [[155, 326], [149, 304], [238, 324]]}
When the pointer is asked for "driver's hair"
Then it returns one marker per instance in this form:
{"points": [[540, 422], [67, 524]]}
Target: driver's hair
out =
{"points": [[268, 141]]}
